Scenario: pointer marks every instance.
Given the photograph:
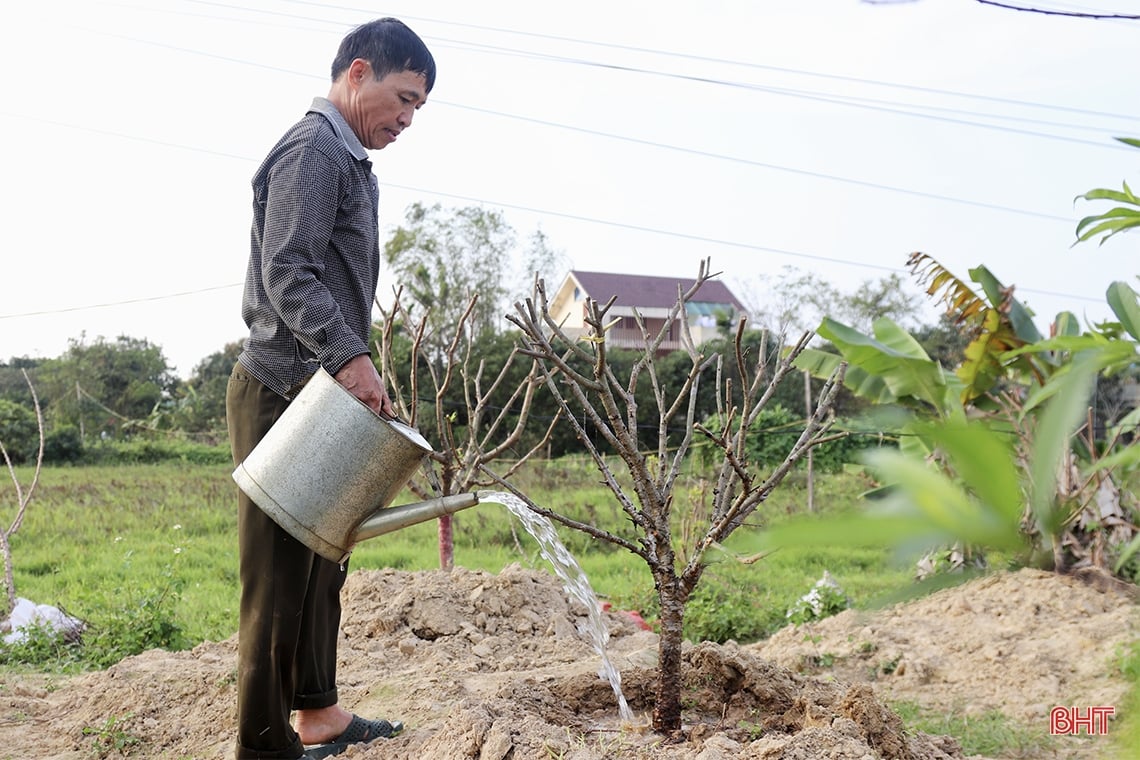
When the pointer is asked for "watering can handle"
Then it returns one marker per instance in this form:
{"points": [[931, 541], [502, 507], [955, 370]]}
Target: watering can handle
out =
{"points": [[391, 418]]}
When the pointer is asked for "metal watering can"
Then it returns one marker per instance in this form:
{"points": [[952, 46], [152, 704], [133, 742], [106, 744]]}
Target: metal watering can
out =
{"points": [[330, 466]]}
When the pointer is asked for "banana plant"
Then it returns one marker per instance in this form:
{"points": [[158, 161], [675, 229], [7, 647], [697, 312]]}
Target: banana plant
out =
{"points": [[1115, 220], [1013, 385]]}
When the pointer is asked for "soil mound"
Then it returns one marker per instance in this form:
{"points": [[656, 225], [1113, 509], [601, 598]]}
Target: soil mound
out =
{"points": [[492, 667]]}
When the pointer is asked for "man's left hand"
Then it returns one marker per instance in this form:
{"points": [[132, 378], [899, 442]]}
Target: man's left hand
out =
{"points": [[360, 378]]}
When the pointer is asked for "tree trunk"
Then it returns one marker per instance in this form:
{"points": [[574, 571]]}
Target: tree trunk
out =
{"points": [[446, 544], [667, 707]]}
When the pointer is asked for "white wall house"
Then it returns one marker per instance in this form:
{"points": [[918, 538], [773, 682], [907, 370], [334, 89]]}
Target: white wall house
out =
{"points": [[651, 297]]}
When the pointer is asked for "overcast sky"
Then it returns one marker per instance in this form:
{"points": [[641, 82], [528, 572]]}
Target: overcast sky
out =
{"points": [[832, 136]]}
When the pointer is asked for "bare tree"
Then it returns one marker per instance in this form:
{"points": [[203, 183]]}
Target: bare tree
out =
{"points": [[485, 433], [23, 498], [608, 403]]}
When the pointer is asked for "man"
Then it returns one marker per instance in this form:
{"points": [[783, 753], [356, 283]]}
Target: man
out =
{"points": [[312, 277]]}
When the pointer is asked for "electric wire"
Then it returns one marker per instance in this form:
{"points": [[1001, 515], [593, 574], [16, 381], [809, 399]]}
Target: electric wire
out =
{"points": [[724, 61], [699, 238], [665, 146]]}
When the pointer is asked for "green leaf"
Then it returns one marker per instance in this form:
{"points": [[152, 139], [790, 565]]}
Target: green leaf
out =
{"points": [[1126, 425], [872, 529], [983, 459], [1113, 224], [1019, 317], [821, 364], [1129, 550], [892, 355], [1066, 323], [1066, 409], [1127, 457], [1119, 353], [947, 509], [1104, 194], [1123, 301], [1068, 343]]}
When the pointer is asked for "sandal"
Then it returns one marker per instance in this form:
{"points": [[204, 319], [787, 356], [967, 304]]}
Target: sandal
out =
{"points": [[360, 730]]}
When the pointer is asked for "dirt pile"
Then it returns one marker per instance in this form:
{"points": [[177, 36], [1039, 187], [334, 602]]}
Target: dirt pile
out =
{"points": [[495, 667]]}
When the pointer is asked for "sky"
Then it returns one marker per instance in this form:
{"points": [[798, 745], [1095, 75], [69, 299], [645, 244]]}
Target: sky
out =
{"points": [[642, 136]]}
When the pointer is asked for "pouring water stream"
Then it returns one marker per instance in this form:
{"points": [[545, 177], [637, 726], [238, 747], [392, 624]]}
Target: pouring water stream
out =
{"points": [[574, 581]]}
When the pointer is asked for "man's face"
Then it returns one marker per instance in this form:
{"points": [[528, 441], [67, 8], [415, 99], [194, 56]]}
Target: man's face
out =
{"points": [[382, 108]]}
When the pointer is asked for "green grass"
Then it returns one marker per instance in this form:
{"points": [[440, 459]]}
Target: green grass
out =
{"points": [[990, 734], [102, 536]]}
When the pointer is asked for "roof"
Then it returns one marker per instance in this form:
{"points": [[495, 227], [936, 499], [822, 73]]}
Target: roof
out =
{"points": [[647, 292]]}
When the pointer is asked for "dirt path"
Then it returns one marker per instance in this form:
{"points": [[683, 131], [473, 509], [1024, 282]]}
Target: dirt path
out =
{"points": [[493, 667]]}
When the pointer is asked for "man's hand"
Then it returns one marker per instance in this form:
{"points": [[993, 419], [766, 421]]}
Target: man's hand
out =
{"points": [[362, 380]]}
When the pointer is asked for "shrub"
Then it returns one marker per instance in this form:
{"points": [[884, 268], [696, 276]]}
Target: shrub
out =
{"points": [[18, 431], [63, 444], [777, 430], [142, 451], [41, 645]]}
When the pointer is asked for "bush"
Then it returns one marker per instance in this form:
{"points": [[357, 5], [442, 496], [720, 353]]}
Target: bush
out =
{"points": [[717, 611], [777, 430], [18, 431], [63, 444], [41, 645], [155, 451]]}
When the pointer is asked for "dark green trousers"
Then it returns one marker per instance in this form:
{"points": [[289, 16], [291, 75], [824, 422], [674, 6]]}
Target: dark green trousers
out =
{"points": [[290, 601]]}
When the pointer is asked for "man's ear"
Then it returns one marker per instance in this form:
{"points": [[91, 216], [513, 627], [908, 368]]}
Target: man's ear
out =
{"points": [[357, 71]]}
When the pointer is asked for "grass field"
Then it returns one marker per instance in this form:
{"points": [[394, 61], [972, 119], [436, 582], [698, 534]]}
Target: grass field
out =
{"points": [[102, 539]]}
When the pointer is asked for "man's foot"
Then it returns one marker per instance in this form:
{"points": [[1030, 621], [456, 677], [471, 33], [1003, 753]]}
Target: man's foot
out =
{"points": [[357, 731]]}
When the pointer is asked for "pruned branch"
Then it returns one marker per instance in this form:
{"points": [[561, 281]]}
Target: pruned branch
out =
{"points": [[22, 498], [587, 528]]}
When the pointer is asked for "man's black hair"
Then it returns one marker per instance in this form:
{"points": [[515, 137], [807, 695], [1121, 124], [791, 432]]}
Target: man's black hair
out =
{"points": [[389, 46]]}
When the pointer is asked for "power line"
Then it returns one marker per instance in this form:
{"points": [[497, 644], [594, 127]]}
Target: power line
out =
{"points": [[724, 61], [848, 100], [528, 209], [127, 302], [690, 151], [576, 217]]}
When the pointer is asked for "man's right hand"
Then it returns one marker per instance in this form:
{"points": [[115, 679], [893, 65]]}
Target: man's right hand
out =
{"points": [[360, 378]]}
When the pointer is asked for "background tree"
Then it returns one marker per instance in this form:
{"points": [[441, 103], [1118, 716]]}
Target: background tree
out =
{"points": [[200, 402], [113, 387], [473, 406], [794, 301], [18, 431], [442, 257], [12, 385], [609, 402]]}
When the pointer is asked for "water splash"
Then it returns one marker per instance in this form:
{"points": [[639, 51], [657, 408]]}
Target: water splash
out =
{"points": [[574, 581]]}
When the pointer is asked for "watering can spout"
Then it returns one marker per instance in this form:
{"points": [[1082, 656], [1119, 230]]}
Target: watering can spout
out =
{"points": [[396, 518]]}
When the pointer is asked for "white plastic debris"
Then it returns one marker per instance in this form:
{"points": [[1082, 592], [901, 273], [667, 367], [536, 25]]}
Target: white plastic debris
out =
{"points": [[29, 614]]}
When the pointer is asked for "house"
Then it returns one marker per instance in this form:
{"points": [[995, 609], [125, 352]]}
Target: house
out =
{"points": [[652, 298]]}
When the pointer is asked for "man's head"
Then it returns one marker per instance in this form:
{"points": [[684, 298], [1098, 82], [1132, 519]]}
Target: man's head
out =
{"points": [[381, 74]]}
